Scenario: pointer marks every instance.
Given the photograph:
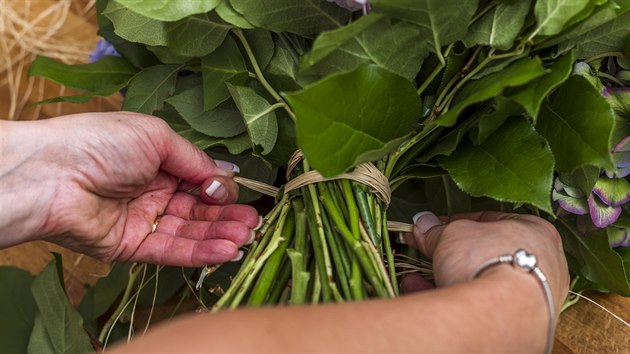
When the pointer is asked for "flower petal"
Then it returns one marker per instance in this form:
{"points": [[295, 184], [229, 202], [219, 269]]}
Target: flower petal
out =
{"points": [[620, 173], [618, 237], [612, 191], [622, 145], [572, 205], [602, 215]]}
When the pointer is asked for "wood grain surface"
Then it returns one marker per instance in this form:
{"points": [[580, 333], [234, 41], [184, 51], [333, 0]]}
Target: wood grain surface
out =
{"points": [[583, 328]]}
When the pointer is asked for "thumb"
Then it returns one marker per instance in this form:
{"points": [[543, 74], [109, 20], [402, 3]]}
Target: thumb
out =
{"points": [[426, 232]]}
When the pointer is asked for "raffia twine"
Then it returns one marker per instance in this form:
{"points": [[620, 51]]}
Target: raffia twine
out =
{"points": [[366, 174], [35, 27]]}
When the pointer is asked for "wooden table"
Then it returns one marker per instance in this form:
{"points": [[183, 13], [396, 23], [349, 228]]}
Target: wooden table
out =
{"points": [[582, 329]]}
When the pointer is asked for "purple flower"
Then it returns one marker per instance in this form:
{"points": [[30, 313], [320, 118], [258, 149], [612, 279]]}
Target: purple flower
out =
{"points": [[569, 198], [618, 237], [103, 48], [621, 156], [603, 204]]}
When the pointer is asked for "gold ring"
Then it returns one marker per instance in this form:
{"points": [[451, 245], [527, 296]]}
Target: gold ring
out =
{"points": [[155, 223]]}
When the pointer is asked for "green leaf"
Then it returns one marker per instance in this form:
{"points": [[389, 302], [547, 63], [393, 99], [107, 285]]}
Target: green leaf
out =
{"points": [[442, 22], [62, 323], [166, 56], [447, 144], [282, 68], [583, 177], [83, 98], [407, 200], [197, 35], [514, 164], [607, 37], [217, 68], [223, 121], [500, 26], [501, 109], [193, 36], [552, 16], [601, 15], [259, 116], [578, 123], [229, 15], [235, 145], [372, 39], [519, 73], [301, 17], [134, 27], [169, 10], [251, 167], [149, 88], [597, 261], [106, 73], [445, 198], [99, 298], [353, 117], [285, 143], [262, 45], [39, 341], [18, 309], [136, 53], [531, 95]]}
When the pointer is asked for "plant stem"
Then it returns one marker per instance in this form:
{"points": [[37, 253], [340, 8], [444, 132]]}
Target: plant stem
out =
{"points": [[364, 209], [250, 260], [338, 261], [355, 280], [274, 243], [259, 75], [604, 55], [269, 271], [133, 275], [389, 254], [435, 71]]}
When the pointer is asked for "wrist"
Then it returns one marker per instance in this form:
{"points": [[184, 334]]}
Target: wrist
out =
{"points": [[26, 186], [530, 308]]}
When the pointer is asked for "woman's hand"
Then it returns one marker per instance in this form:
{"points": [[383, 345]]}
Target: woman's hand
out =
{"points": [[95, 183], [459, 244]]}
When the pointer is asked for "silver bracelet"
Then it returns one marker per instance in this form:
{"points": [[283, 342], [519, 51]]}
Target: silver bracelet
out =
{"points": [[526, 261]]}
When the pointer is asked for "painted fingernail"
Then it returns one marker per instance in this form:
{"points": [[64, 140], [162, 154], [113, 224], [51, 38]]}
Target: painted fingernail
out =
{"points": [[260, 223], [252, 237], [216, 191], [228, 166], [425, 220], [238, 257]]}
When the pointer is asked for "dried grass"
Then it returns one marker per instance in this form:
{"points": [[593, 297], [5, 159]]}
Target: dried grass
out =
{"points": [[35, 27]]}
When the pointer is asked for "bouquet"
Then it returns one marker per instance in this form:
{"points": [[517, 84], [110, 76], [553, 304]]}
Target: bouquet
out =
{"points": [[362, 113]]}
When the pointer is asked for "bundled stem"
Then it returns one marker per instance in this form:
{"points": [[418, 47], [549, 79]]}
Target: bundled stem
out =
{"points": [[323, 242]]}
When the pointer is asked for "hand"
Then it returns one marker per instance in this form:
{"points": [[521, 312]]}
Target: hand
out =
{"points": [[102, 179], [459, 244]]}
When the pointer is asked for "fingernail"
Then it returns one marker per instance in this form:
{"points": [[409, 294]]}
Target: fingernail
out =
{"points": [[252, 237], [260, 223], [238, 257], [426, 220], [216, 191], [228, 166]]}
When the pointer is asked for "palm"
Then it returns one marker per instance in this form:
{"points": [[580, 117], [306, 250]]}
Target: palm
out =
{"points": [[118, 185]]}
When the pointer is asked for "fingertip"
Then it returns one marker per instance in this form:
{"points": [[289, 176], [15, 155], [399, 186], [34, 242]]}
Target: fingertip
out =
{"points": [[425, 220], [425, 231], [219, 190], [414, 282], [215, 251]]}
